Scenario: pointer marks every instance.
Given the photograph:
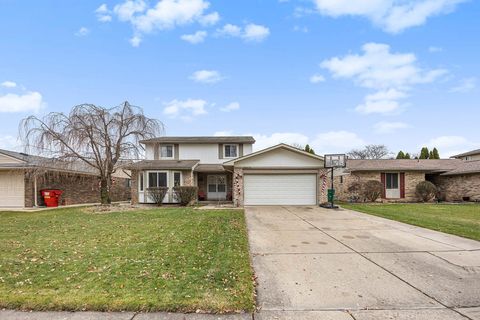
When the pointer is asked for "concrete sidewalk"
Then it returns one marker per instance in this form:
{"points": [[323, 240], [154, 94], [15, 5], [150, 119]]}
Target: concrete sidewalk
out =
{"points": [[314, 263], [22, 315]]}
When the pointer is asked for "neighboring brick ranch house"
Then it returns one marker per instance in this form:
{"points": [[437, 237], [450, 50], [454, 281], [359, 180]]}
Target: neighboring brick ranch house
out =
{"points": [[23, 176], [457, 180]]}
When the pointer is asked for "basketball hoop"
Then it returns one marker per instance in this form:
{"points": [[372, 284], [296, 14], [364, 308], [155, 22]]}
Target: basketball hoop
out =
{"points": [[333, 161]]}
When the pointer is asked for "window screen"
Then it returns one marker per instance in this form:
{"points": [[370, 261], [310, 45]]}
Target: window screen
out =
{"points": [[392, 180], [230, 151], [166, 151]]}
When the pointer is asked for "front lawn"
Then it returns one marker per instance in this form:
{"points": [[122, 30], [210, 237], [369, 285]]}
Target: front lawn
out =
{"points": [[170, 259], [459, 219]]}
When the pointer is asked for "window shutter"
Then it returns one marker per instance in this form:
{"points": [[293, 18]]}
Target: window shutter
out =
{"points": [[240, 150], [220, 151], [382, 178], [176, 151], [156, 151], [402, 185]]}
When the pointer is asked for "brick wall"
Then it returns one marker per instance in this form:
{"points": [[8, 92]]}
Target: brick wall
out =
{"points": [[455, 188], [77, 189], [238, 187], [412, 178]]}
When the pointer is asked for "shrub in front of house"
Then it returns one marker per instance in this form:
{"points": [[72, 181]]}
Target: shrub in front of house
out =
{"points": [[372, 190], [185, 195], [354, 191], [157, 194], [425, 191]]}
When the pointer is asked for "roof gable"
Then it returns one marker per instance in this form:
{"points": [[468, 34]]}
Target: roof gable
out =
{"points": [[279, 156]]}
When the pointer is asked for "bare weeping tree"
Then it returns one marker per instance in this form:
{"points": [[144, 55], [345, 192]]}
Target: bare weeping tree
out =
{"points": [[371, 151], [99, 137]]}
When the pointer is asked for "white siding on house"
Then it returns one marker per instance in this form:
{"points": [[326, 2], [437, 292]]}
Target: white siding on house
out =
{"points": [[206, 153], [7, 159], [280, 158], [149, 151]]}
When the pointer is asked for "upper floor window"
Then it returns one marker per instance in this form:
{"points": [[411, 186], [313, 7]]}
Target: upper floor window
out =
{"points": [[166, 151], [230, 150]]}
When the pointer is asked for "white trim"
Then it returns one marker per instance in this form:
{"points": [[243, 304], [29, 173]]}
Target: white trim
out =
{"points": [[278, 146], [166, 145], [237, 149]]}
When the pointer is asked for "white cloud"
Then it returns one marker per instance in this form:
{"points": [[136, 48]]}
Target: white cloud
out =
{"points": [[392, 75], [231, 107], [384, 127], [24, 102], [300, 29], [223, 133], [317, 78], [230, 30], [126, 10], [327, 142], [451, 145], [9, 142], [250, 33], [8, 84], [206, 76], [392, 16], [466, 85], [185, 109], [263, 141], [255, 32], [433, 49], [165, 14], [336, 141], [103, 14], [135, 41], [209, 19], [382, 102], [195, 38], [82, 32]]}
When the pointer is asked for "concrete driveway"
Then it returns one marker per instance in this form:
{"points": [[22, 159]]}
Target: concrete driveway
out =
{"points": [[314, 263]]}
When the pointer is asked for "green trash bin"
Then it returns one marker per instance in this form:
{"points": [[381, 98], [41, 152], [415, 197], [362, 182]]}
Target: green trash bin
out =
{"points": [[331, 195]]}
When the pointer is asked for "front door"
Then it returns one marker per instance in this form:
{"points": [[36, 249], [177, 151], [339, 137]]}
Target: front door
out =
{"points": [[392, 186], [217, 187]]}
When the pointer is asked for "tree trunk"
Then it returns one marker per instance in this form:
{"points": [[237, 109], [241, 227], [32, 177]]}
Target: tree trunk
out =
{"points": [[105, 190]]}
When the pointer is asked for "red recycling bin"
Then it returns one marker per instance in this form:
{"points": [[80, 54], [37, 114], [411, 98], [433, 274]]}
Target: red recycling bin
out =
{"points": [[51, 197]]}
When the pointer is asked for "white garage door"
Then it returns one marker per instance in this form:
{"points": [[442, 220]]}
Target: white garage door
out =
{"points": [[12, 189], [280, 189]]}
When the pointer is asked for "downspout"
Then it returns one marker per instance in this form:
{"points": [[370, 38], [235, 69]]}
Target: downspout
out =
{"points": [[35, 196]]}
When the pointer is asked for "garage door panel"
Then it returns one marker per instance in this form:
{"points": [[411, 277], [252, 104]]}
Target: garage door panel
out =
{"points": [[280, 189], [12, 189]]}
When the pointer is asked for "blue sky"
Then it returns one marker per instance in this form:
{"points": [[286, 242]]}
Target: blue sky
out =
{"points": [[336, 74]]}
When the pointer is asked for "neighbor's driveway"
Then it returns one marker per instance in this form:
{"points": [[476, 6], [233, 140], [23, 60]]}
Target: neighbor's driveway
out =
{"points": [[314, 263]]}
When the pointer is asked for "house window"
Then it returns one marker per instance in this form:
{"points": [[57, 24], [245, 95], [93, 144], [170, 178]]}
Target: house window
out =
{"points": [[140, 181], [177, 179], [128, 183], [157, 179], [166, 151], [341, 179], [391, 181], [230, 151]]}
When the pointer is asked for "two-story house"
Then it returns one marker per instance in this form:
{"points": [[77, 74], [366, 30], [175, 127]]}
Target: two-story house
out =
{"points": [[226, 169], [174, 161]]}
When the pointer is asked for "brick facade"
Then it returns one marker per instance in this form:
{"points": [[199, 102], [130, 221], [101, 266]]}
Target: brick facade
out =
{"points": [[77, 188], [238, 187], [459, 187], [341, 184]]}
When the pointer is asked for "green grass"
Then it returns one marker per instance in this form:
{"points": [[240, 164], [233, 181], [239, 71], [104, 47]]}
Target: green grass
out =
{"points": [[459, 219], [172, 259]]}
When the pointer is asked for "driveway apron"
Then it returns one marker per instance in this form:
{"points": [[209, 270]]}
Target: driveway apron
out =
{"points": [[315, 263]]}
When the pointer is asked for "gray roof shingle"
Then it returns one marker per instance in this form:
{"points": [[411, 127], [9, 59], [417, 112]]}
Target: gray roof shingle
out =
{"points": [[163, 165], [201, 140], [403, 164], [469, 153], [465, 167]]}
